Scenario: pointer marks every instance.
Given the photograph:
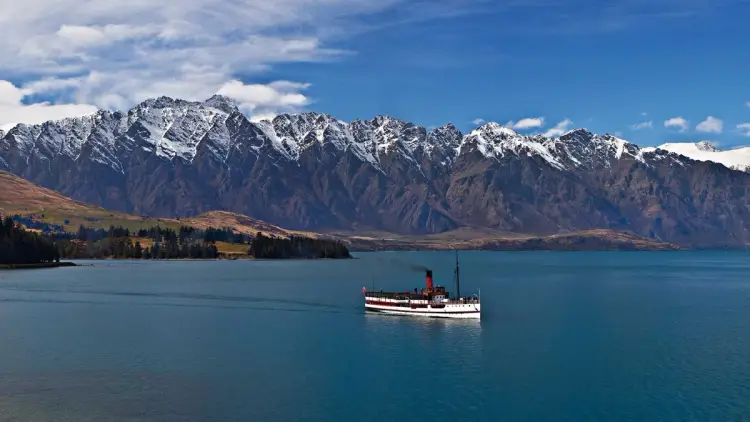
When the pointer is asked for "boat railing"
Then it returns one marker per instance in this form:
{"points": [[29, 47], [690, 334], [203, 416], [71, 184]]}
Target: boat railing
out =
{"points": [[396, 296], [463, 301]]}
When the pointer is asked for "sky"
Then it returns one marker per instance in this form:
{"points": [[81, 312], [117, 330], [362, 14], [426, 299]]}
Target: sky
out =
{"points": [[649, 71]]}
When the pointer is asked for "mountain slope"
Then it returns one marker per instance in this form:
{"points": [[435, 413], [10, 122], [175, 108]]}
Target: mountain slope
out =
{"points": [[172, 158], [21, 197]]}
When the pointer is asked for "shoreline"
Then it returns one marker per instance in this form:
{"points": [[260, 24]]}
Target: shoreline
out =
{"points": [[245, 258], [530, 249], [37, 266]]}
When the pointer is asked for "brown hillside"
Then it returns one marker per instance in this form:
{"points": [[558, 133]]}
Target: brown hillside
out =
{"points": [[19, 196]]}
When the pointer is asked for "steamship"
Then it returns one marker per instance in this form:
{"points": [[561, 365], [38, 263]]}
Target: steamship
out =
{"points": [[431, 301]]}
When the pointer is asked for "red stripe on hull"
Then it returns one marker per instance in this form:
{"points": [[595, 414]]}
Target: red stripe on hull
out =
{"points": [[423, 312]]}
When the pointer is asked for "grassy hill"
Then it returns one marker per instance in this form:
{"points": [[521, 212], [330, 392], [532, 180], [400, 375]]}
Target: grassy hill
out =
{"points": [[21, 197]]}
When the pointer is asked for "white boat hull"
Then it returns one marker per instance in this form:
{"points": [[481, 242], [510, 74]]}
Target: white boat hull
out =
{"points": [[464, 311]]}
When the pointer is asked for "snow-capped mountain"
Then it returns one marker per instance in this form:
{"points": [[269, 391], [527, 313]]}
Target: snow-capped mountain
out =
{"points": [[736, 158], [173, 157], [175, 129]]}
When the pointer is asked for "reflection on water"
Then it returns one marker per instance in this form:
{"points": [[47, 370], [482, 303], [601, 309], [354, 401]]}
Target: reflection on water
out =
{"points": [[458, 336], [462, 331], [379, 319], [430, 354]]}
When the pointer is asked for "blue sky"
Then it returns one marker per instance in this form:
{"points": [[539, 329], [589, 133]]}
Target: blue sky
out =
{"points": [[626, 68]]}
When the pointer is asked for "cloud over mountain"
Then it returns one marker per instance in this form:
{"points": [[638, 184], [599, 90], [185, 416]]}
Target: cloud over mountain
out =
{"points": [[527, 123], [113, 54], [710, 125], [559, 128], [642, 125], [677, 122]]}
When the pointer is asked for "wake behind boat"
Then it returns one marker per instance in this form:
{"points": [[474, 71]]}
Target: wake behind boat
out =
{"points": [[432, 301]]}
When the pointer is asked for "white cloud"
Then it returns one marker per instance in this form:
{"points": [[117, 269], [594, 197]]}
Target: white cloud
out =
{"points": [[710, 125], [747, 104], [71, 38], [676, 122], [527, 123], [264, 101], [643, 125], [744, 129], [478, 121], [13, 111], [115, 54], [559, 129]]}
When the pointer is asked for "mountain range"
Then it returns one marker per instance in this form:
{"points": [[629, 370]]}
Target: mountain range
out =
{"points": [[174, 158]]}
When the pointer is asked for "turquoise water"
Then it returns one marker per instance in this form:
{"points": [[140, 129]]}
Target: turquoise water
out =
{"points": [[564, 336]]}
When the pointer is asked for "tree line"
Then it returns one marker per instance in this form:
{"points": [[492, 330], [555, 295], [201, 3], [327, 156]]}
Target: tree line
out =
{"points": [[127, 248], [265, 247], [187, 233], [18, 246], [117, 242], [164, 234]]}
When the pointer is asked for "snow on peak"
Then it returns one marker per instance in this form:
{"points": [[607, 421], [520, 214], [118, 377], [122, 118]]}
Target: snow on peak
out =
{"points": [[222, 103], [584, 148], [579, 135], [393, 132], [445, 136], [175, 129], [706, 146], [291, 134], [496, 129], [278, 143], [369, 140], [575, 148], [6, 128], [443, 144], [577, 132], [496, 141], [737, 158], [161, 102], [620, 145]]}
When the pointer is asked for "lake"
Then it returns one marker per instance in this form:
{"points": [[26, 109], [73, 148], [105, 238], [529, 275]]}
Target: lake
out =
{"points": [[565, 336]]}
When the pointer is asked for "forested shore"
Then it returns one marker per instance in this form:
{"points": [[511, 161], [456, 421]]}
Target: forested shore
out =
{"points": [[21, 246]]}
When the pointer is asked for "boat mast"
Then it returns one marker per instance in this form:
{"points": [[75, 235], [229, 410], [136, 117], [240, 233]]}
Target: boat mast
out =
{"points": [[458, 284]]}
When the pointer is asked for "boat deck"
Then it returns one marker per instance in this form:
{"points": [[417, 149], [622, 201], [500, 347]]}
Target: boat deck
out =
{"points": [[412, 296]]}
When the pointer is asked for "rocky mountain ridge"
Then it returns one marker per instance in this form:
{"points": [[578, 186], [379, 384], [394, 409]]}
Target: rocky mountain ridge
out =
{"points": [[174, 129], [170, 157]]}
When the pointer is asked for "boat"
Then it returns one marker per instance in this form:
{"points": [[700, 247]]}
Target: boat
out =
{"points": [[432, 301]]}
